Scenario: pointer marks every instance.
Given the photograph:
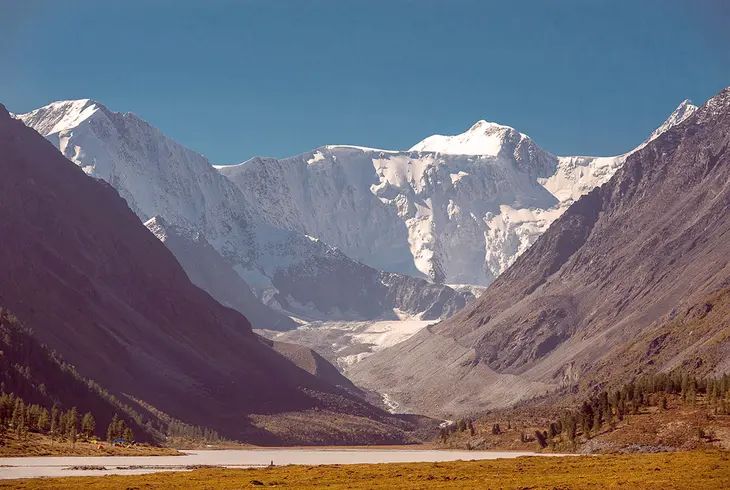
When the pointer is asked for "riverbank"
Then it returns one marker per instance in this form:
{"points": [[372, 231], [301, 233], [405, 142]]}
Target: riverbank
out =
{"points": [[689, 470], [34, 444]]}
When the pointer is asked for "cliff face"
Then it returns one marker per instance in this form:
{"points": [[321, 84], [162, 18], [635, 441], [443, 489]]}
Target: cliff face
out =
{"points": [[285, 267]]}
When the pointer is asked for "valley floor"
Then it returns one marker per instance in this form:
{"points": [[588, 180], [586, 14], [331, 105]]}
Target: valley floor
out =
{"points": [[683, 470]]}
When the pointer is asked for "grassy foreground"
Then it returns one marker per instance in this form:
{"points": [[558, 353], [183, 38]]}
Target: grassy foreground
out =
{"points": [[689, 470]]}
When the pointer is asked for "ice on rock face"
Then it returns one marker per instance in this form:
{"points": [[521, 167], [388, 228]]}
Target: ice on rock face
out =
{"points": [[456, 209], [158, 177], [452, 209], [416, 213]]}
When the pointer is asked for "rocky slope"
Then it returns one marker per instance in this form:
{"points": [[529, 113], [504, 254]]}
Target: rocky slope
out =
{"points": [[455, 209], [632, 261], [287, 270], [103, 292]]}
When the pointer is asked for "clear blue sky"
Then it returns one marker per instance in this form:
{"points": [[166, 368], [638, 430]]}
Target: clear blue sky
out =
{"points": [[273, 77]]}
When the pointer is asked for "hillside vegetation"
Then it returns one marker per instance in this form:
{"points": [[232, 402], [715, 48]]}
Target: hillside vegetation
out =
{"points": [[664, 412]]}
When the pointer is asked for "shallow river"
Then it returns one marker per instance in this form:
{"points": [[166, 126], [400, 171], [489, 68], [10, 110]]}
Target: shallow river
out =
{"points": [[60, 466]]}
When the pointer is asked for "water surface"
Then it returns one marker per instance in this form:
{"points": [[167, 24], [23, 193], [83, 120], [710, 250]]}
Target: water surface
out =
{"points": [[54, 466]]}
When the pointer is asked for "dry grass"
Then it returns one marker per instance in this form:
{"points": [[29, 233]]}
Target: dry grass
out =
{"points": [[689, 470], [41, 445]]}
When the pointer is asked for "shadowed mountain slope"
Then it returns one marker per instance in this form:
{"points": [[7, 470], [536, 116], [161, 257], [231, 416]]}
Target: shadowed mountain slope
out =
{"points": [[78, 265], [212, 273], [287, 270]]}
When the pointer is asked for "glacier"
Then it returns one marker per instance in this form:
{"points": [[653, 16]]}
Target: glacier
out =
{"points": [[454, 209]]}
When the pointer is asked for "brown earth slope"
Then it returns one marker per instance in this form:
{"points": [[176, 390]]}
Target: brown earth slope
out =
{"points": [[633, 261], [99, 288]]}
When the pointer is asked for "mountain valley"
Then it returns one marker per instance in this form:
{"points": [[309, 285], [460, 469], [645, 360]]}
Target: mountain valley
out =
{"points": [[373, 260], [105, 296]]}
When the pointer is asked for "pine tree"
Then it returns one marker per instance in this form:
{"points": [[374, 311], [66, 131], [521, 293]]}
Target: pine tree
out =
{"points": [[111, 430], [88, 425], [119, 430], [586, 426], [128, 435], [55, 425], [597, 420], [72, 424], [18, 419], [6, 410], [663, 403], [541, 438], [72, 434], [20, 428], [570, 426], [44, 420]]}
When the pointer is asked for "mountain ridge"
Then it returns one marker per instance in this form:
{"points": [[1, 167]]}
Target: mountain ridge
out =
{"points": [[619, 265], [432, 211], [159, 177]]}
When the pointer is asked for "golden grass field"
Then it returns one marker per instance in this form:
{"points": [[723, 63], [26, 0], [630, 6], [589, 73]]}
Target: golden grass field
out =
{"points": [[686, 470]]}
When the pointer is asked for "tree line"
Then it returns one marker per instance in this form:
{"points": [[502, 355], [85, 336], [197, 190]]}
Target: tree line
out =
{"points": [[41, 378], [22, 418], [605, 409], [608, 408]]}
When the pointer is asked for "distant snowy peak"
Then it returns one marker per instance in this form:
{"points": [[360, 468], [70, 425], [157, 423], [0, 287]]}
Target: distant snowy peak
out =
{"points": [[218, 234], [153, 173], [61, 115], [488, 139], [577, 175], [685, 110], [456, 209], [483, 138], [361, 148]]}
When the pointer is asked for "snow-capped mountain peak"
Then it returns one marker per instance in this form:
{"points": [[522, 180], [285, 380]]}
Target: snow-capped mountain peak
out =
{"points": [[483, 138], [206, 218], [456, 209], [61, 115], [682, 112]]}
